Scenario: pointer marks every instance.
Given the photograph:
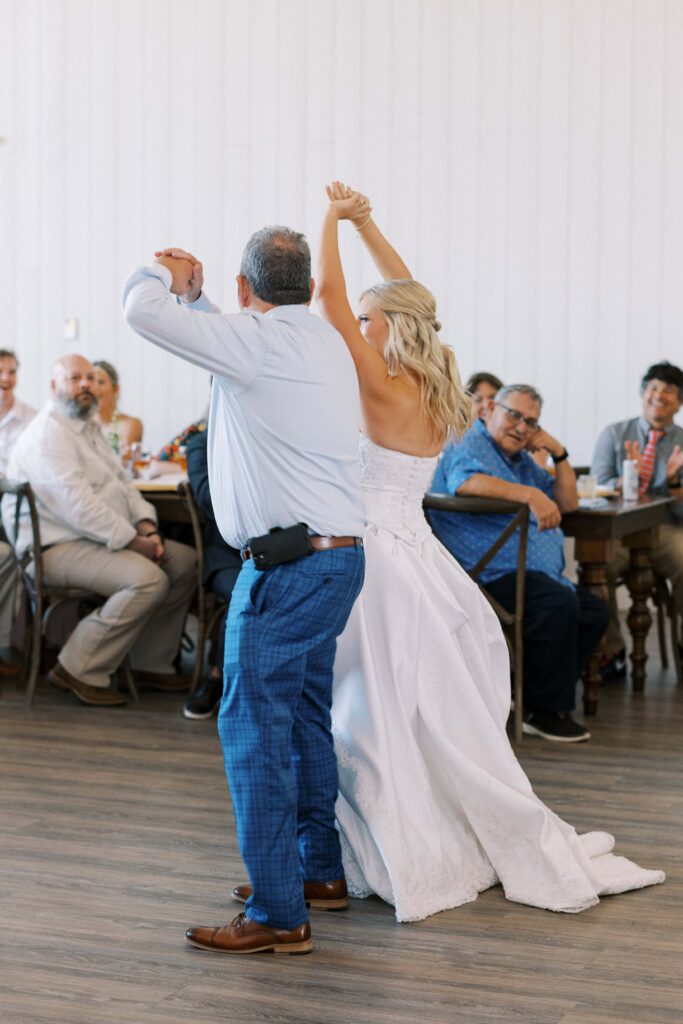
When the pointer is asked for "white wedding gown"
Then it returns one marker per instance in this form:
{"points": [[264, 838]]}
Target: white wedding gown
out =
{"points": [[433, 806]]}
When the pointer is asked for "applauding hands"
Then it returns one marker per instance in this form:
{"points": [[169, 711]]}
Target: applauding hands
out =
{"points": [[674, 467], [674, 464]]}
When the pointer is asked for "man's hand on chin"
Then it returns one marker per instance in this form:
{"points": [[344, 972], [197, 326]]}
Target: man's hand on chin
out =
{"points": [[543, 441]]}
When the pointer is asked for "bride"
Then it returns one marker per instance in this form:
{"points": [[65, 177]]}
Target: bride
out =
{"points": [[433, 806]]}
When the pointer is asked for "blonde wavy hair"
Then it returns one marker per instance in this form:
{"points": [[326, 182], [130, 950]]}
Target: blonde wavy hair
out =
{"points": [[414, 347]]}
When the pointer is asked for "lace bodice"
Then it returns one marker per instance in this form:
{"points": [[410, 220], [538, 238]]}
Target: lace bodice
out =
{"points": [[394, 485]]}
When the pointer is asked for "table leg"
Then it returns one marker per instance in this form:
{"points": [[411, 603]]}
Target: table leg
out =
{"points": [[640, 581], [592, 557]]}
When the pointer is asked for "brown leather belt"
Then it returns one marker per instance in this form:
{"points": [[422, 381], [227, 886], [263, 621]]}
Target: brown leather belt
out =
{"points": [[320, 544]]}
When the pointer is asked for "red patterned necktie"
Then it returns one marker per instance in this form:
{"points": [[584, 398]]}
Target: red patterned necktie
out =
{"points": [[647, 461]]}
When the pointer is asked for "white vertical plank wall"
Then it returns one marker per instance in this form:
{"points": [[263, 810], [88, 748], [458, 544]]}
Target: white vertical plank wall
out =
{"points": [[526, 157]]}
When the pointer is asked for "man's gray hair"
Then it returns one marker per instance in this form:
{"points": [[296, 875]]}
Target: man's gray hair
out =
{"points": [[520, 389], [277, 264]]}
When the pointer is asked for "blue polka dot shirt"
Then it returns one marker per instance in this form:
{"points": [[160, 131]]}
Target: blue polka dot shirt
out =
{"points": [[468, 537]]}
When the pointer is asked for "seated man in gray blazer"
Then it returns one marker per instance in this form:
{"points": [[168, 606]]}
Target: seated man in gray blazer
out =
{"points": [[99, 534], [656, 443]]}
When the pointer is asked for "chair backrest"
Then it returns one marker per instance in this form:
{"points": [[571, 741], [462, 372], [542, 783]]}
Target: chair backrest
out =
{"points": [[514, 623], [185, 491], [22, 493], [488, 506]]}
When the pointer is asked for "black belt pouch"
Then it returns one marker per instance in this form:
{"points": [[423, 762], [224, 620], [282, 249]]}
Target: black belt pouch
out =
{"points": [[280, 546]]}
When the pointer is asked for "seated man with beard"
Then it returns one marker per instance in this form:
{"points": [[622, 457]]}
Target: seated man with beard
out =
{"points": [[99, 534]]}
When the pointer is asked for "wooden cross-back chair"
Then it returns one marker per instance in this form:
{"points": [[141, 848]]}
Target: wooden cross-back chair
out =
{"points": [[210, 607], [41, 599], [511, 622], [666, 608]]}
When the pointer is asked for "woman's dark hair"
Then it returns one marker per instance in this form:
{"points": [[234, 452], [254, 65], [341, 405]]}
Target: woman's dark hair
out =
{"points": [[7, 353], [102, 364], [667, 373], [482, 378]]}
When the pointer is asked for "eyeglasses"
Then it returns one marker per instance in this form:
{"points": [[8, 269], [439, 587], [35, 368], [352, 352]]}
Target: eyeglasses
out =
{"points": [[516, 417]]}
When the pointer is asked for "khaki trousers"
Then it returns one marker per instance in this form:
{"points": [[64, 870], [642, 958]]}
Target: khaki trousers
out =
{"points": [[143, 615], [7, 593], [667, 559]]}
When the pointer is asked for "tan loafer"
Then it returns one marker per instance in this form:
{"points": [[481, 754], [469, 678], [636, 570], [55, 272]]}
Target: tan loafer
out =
{"points": [[318, 895], [97, 696], [243, 935]]}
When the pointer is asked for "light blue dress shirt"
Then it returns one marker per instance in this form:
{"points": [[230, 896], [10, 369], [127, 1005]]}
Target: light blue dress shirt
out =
{"points": [[285, 409], [468, 537]]}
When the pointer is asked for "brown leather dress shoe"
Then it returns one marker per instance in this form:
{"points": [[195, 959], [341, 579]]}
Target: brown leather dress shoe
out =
{"points": [[318, 895], [166, 682], [245, 936], [97, 696]]}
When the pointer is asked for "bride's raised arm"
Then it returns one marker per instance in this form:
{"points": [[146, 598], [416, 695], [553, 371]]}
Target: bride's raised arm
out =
{"points": [[330, 289], [384, 256]]}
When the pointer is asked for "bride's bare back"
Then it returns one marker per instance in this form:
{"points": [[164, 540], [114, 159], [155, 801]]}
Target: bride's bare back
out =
{"points": [[393, 416]]}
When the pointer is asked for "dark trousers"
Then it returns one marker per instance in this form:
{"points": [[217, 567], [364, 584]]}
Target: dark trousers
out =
{"points": [[562, 628], [221, 582]]}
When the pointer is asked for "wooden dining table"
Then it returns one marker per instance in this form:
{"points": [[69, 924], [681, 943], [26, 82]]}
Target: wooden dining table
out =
{"points": [[596, 532], [162, 492]]}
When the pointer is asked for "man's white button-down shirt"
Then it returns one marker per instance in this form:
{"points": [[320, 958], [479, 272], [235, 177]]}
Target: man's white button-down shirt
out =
{"points": [[285, 409], [11, 425], [81, 491]]}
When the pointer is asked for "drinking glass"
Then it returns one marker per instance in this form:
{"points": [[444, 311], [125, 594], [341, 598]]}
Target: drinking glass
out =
{"points": [[587, 486]]}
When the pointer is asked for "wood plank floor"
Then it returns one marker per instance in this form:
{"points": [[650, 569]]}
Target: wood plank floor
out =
{"points": [[116, 833]]}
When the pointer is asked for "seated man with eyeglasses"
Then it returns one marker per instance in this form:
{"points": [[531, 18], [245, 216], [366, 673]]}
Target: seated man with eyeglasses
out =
{"points": [[562, 623]]}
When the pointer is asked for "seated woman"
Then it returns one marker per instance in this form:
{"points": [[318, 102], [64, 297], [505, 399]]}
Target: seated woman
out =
{"points": [[120, 430], [483, 388]]}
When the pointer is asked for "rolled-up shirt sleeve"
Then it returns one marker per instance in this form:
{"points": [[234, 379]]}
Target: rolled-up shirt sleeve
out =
{"points": [[604, 465], [57, 480], [233, 346], [461, 468]]}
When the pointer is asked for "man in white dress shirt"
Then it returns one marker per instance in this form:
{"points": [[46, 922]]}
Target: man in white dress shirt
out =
{"points": [[283, 457], [14, 415], [99, 534]]}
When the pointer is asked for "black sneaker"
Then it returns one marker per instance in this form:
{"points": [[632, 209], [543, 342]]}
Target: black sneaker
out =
{"points": [[555, 725], [615, 668], [205, 702]]}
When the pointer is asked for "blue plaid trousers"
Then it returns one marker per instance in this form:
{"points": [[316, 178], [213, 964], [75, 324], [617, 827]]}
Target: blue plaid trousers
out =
{"points": [[275, 724]]}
